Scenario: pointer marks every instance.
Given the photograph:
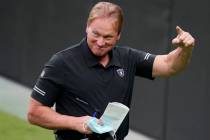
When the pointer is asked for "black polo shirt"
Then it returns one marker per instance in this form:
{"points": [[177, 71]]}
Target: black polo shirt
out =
{"points": [[79, 85]]}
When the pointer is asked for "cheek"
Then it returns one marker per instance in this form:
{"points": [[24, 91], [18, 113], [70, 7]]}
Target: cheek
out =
{"points": [[111, 43], [93, 40]]}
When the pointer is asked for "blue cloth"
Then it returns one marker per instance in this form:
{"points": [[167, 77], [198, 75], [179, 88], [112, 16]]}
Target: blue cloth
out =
{"points": [[97, 128]]}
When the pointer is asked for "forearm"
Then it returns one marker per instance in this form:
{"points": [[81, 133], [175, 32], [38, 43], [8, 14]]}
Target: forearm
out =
{"points": [[48, 118], [178, 59]]}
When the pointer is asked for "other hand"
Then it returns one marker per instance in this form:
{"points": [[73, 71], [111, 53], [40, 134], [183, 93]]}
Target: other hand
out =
{"points": [[82, 124], [183, 39]]}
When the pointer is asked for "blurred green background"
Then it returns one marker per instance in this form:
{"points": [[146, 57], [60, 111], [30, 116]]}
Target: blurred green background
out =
{"points": [[14, 128]]}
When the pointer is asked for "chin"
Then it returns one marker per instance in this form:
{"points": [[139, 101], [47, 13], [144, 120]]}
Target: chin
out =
{"points": [[99, 54]]}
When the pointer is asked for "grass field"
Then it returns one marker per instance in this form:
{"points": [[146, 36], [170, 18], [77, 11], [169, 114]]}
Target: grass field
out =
{"points": [[14, 128]]}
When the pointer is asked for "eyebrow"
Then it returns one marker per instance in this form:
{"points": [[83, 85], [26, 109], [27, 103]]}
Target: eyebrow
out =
{"points": [[106, 36]]}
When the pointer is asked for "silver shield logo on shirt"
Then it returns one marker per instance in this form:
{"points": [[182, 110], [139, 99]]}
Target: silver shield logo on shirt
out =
{"points": [[121, 72]]}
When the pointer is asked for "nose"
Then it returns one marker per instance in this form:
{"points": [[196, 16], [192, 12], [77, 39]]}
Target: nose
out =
{"points": [[101, 41]]}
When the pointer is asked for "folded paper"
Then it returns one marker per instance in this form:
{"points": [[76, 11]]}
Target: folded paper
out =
{"points": [[112, 118]]}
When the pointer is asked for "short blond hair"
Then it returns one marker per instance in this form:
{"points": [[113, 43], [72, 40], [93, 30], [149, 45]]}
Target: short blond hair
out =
{"points": [[106, 9]]}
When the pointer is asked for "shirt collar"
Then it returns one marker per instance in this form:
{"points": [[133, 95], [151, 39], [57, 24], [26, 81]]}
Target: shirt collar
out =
{"points": [[93, 60]]}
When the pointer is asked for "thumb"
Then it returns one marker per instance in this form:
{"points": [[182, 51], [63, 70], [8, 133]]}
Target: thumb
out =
{"points": [[175, 41], [179, 30]]}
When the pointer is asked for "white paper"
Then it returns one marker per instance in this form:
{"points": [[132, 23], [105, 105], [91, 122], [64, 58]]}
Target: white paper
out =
{"points": [[114, 115]]}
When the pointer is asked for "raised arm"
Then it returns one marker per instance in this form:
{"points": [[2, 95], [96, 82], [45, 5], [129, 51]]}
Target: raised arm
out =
{"points": [[177, 60]]}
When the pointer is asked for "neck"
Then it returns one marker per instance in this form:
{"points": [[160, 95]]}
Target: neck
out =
{"points": [[104, 60]]}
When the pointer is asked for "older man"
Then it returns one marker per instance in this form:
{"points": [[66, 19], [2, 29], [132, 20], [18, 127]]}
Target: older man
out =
{"points": [[84, 78]]}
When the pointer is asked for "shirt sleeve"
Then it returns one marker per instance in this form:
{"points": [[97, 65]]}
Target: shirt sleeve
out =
{"points": [[49, 83], [144, 63]]}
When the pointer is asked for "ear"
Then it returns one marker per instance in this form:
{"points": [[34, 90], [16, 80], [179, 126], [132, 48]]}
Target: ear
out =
{"points": [[118, 37], [87, 29]]}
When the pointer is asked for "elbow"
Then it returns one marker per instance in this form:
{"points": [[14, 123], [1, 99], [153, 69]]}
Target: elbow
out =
{"points": [[33, 112], [30, 116], [33, 115]]}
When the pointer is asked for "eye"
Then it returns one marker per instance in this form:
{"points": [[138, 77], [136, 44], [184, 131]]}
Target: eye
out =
{"points": [[95, 34], [108, 38]]}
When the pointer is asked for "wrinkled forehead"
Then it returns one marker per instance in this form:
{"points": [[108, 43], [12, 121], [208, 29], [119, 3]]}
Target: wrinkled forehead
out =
{"points": [[104, 24]]}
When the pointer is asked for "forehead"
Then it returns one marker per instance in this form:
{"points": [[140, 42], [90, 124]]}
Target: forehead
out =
{"points": [[104, 25]]}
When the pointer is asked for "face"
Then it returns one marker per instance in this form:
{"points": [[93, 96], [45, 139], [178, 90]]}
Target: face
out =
{"points": [[102, 35]]}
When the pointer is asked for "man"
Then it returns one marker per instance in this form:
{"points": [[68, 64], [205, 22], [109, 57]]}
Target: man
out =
{"points": [[84, 78]]}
